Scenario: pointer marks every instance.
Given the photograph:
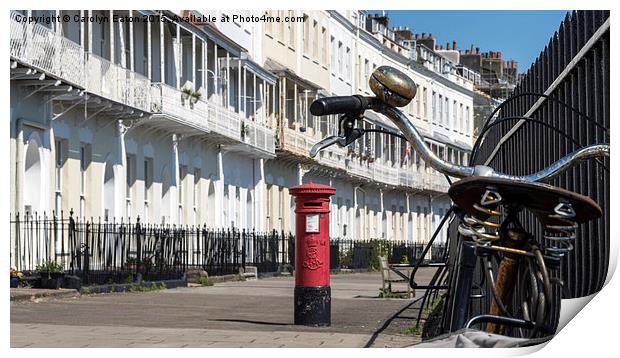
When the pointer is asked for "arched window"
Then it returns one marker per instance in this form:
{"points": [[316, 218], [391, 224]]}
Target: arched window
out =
{"points": [[108, 191], [249, 211], [165, 196], [211, 205], [32, 178]]}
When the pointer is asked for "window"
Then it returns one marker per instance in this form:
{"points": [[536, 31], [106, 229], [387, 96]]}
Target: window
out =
{"points": [[181, 192], [333, 53], [196, 196], [291, 30], [281, 28], [148, 181], [366, 73], [315, 40], [434, 106], [306, 37], [347, 75], [454, 113], [441, 110], [446, 112], [340, 58], [460, 125], [130, 172], [466, 130], [424, 103], [269, 24], [324, 46], [225, 205]]}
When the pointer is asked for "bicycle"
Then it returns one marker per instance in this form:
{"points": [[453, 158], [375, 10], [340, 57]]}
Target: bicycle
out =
{"points": [[493, 262]]}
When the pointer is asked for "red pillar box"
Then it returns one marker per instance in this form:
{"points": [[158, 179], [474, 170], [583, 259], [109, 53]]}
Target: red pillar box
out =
{"points": [[312, 291]]}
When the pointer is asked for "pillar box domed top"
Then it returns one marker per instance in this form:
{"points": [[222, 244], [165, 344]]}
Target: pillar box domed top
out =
{"points": [[312, 189]]}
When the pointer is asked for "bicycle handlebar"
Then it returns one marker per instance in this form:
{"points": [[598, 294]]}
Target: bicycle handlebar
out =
{"points": [[345, 104], [339, 104], [395, 89]]}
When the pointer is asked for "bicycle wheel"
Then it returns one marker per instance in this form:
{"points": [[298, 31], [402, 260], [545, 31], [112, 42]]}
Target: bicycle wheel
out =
{"points": [[537, 298]]}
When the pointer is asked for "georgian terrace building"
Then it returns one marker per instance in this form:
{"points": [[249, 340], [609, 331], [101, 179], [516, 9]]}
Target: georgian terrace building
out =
{"points": [[209, 123]]}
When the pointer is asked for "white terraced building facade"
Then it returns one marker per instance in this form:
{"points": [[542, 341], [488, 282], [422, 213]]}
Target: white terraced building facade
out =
{"points": [[208, 123]]}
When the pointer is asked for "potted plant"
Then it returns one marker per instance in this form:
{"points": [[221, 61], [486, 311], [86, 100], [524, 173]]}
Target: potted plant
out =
{"points": [[186, 93], [194, 97], [16, 277], [52, 274], [245, 128]]}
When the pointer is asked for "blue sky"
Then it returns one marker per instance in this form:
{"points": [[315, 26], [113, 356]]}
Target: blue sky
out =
{"points": [[519, 35]]}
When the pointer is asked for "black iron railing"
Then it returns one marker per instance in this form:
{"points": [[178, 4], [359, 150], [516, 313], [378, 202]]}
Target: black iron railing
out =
{"points": [[573, 72], [110, 252]]}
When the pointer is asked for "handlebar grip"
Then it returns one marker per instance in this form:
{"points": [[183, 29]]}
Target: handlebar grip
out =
{"points": [[339, 104]]}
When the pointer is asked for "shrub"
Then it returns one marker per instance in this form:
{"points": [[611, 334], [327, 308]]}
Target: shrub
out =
{"points": [[49, 267], [204, 281]]}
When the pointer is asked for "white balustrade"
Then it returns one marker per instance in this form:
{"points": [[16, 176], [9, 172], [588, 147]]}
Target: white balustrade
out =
{"points": [[42, 48]]}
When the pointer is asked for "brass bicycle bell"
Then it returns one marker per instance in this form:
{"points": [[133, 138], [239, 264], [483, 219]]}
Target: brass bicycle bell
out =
{"points": [[392, 86]]}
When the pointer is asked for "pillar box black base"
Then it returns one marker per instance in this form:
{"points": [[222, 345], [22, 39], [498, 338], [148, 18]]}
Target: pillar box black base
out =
{"points": [[313, 305]]}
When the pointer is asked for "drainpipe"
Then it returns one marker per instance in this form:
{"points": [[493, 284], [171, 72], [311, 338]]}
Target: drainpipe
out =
{"points": [[176, 194]]}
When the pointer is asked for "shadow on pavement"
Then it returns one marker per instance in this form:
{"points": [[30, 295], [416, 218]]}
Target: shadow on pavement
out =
{"points": [[250, 321]]}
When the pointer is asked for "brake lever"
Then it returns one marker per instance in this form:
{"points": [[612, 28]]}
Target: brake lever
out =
{"points": [[350, 134], [326, 142]]}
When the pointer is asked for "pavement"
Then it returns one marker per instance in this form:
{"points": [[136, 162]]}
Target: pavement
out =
{"points": [[229, 314], [29, 294]]}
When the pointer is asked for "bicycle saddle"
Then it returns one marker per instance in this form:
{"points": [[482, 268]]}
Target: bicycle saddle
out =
{"points": [[545, 201]]}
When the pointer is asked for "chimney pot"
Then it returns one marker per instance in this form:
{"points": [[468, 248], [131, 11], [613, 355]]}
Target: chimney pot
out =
{"points": [[477, 50], [423, 35], [430, 35], [454, 45], [417, 36]]}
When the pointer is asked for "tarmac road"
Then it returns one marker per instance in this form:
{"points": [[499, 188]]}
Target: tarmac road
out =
{"points": [[229, 314]]}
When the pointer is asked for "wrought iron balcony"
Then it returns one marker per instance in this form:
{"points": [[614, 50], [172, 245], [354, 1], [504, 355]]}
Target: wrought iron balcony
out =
{"points": [[172, 103], [298, 143], [223, 121], [111, 81], [43, 49], [258, 135]]}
